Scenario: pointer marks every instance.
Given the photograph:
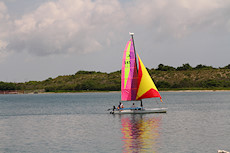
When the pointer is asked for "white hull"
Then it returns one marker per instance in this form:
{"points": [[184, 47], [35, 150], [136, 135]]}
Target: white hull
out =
{"points": [[142, 111]]}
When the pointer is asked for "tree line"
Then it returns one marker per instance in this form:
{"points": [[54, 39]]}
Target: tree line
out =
{"points": [[187, 66], [165, 77]]}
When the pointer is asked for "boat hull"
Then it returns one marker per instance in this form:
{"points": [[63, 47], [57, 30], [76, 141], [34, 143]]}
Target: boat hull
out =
{"points": [[142, 111]]}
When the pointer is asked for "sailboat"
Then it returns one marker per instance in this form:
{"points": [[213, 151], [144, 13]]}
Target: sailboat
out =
{"points": [[136, 83]]}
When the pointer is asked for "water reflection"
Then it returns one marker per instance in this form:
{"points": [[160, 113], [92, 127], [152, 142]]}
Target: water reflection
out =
{"points": [[140, 133]]}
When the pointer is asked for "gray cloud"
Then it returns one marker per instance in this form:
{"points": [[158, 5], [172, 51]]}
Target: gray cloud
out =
{"points": [[4, 23], [83, 26]]}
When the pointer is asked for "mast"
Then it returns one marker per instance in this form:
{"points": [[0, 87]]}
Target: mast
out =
{"points": [[135, 59], [131, 34]]}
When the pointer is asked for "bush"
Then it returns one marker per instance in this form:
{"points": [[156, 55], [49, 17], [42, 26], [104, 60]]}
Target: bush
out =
{"points": [[162, 67], [227, 67], [200, 66], [184, 67], [86, 72], [7, 86], [50, 89], [163, 84], [211, 83], [185, 83]]}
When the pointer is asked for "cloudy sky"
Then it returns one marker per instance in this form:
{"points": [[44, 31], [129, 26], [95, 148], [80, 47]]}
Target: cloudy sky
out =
{"points": [[47, 38]]}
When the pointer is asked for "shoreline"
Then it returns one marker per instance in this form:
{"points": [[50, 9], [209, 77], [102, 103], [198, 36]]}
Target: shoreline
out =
{"points": [[120, 91]]}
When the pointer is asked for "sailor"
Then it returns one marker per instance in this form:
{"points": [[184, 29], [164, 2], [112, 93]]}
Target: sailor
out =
{"points": [[114, 108], [133, 106], [120, 106]]}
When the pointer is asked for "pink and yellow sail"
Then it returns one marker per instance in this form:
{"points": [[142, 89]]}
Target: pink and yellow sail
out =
{"points": [[129, 77], [136, 83]]}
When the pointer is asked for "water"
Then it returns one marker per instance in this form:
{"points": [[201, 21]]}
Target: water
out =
{"points": [[195, 122]]}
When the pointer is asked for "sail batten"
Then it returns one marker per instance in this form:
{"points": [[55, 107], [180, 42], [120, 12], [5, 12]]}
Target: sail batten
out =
{"points": [[136, 83]]}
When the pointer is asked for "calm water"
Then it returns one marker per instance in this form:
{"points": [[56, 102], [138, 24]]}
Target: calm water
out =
{"points": [[195, 122]]}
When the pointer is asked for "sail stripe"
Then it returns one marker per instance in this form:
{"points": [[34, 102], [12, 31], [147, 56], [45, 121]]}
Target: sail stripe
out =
{"points": [[150, 94], [127, 66]]}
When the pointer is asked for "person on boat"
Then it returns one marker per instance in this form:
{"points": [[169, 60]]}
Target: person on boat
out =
{"points": [[114, 108], [120, 106], [133, 106]]}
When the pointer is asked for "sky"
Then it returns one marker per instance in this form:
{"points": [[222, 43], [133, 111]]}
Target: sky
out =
{"points": [[47, 38]]}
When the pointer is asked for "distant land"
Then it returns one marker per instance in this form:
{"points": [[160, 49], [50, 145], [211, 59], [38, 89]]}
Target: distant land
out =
{"points": [[166, 77]]}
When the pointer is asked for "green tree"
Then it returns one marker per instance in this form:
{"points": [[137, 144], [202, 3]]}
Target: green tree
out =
{"points": [[200, 66], [184, 67], [211, 83], [162, 67], [163, 84], [227, 67], [7, 86]]}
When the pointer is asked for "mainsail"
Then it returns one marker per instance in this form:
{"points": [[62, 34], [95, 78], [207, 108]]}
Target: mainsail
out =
{"points": [[136, 83], [129, 73]]}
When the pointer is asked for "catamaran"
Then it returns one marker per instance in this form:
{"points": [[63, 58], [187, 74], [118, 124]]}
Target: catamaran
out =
{"points": [[136, 83]]}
